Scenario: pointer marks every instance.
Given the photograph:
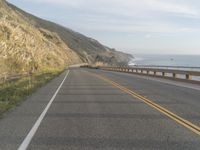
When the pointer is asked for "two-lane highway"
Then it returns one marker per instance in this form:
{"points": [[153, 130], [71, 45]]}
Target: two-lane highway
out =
{"points": [[88, 112]]}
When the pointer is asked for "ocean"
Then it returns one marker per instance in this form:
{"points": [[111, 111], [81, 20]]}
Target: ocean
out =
{"points": [[177, 62], [166, 60]]}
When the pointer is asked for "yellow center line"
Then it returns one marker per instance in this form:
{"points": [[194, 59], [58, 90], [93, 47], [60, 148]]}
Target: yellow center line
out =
{"points": [[178, 119]]}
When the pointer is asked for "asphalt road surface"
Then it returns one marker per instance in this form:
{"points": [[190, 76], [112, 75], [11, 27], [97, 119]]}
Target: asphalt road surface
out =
{"points": [[86, 109]]}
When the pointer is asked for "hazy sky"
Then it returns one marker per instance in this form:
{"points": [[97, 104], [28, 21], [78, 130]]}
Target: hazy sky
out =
{"points": [[136, 26]]}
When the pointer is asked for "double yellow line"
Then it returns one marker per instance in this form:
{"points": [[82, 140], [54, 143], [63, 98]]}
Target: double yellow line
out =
{"points": [[178, 119]]}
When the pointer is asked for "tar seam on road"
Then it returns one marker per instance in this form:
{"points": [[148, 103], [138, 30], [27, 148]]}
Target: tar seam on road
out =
{"points": [[35, 127], [178, 119]]}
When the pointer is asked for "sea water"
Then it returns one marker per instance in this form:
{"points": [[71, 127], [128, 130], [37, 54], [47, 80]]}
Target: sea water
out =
{"points": [[166, 60], [177, 62]]}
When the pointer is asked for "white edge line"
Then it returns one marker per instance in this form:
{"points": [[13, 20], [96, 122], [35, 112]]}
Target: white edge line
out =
{"points": [[35, 127]]}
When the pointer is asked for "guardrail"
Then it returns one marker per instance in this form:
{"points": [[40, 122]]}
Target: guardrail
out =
{"points": [[156, 66], [178, 75], [6, 77]]}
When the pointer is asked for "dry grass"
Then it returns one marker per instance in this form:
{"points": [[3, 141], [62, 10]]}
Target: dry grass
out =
{"points": [[13, 93], [27, 48]]}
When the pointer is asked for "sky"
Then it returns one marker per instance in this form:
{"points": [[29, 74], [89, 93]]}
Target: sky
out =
{"points": [[134, 26]]}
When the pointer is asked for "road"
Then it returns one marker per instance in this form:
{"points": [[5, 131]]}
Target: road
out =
{"points": [[90, 112]]}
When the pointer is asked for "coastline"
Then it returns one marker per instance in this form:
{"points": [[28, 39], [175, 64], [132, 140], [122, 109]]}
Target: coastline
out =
{"points": [[165, 60]]}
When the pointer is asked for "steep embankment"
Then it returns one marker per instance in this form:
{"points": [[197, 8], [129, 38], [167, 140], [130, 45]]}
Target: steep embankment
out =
{"points": [[88, 49], [28, 43], [23, 47]]}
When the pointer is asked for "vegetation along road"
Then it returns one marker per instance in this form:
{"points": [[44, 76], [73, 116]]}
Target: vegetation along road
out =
{"points": [[88, 109]]}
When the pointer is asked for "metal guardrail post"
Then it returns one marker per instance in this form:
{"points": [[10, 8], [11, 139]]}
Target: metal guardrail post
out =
{"points": [[163, 73], [174, 75], [188, 77]]}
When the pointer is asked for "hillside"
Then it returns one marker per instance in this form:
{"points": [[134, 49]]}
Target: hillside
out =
{"points": [[24, 47], [90, 50], [28, 43]]}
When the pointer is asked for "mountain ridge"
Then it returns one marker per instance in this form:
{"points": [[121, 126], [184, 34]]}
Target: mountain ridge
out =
{"points": [[81, 44], [31, 43]]}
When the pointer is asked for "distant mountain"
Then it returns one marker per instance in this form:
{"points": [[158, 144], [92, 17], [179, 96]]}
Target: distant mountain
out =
{"points": [[28, 41], [88, 49]]}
